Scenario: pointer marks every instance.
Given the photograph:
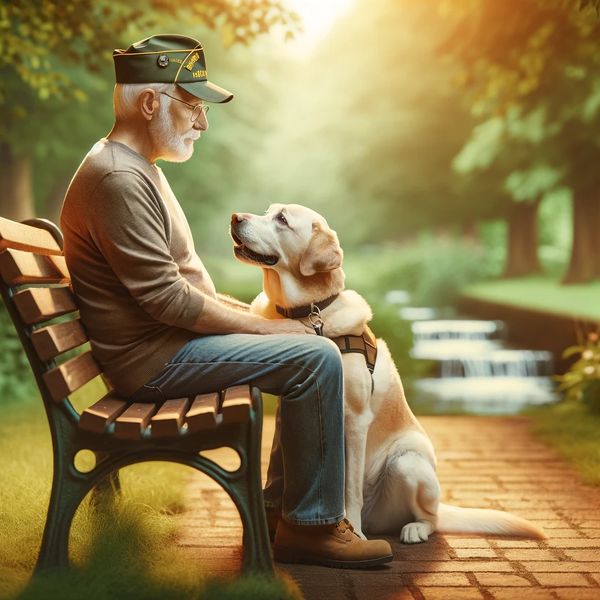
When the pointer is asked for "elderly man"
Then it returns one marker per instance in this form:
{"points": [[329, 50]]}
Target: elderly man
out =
{"points": [[159, 329]]}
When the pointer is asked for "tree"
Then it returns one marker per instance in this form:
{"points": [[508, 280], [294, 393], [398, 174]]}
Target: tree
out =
{"points": [[541, 58], [55, 55], [499, 153]]}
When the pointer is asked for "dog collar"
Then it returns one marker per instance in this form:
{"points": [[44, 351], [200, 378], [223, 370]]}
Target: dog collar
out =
{"points": [[300, 312]]}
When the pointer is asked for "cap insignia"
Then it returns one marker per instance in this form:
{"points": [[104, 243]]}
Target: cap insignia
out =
{"points": [[192, 61]]}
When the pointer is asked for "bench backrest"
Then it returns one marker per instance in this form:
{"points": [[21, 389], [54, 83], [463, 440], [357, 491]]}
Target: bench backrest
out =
{"points": [[35, 285]]}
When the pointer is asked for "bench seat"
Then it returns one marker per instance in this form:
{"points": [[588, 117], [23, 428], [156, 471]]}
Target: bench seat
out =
{"points": [[112, 415]]}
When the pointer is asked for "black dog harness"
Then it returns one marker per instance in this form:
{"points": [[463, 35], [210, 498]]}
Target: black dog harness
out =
{"points": [[365, 344]]}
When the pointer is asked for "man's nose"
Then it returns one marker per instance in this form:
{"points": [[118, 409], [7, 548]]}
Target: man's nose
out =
{"points": [[201, 122]]}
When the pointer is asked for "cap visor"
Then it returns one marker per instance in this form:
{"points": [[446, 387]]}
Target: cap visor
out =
{"points": [[205, 90]]}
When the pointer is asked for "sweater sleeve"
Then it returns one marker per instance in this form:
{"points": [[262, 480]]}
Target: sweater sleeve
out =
{"points": [[129, 227]]}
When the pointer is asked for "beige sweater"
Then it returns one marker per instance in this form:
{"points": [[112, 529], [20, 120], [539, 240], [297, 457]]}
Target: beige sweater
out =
{"points": [[128, 246]]}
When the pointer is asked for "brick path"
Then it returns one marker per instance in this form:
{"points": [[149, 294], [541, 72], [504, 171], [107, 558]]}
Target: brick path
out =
{"points": [[483, 461]]}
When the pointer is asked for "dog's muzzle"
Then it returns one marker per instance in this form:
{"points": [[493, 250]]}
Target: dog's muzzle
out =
{"points": [[243, 252]]}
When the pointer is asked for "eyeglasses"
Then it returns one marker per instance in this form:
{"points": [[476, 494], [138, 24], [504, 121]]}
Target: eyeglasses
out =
{"points": [[196, 108]]}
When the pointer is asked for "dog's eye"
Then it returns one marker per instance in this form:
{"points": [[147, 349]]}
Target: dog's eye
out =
{"points": [[281, 218]]}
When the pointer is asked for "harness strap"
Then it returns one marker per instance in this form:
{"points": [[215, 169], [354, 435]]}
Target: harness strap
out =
{"points": [[365, 344]]}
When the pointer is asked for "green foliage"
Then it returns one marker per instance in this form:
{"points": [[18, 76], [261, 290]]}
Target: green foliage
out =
{"points": [[16, 380], [432, 270], [555, 231], [573, 431], [511, 51], [398, 337], [582, 381], [250, 588], [533, 182], [38, 39]]}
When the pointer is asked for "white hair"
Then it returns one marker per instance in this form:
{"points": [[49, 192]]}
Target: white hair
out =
{"points": [[125, 96]]}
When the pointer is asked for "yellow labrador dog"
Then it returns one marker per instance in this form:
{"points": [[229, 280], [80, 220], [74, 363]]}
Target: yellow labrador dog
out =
{"points": [[391, 482]]}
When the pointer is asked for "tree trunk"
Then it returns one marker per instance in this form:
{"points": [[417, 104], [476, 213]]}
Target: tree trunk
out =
{"points": [[469, 233], [54, 199], [522, 243], [16, 195], [584, 265]]}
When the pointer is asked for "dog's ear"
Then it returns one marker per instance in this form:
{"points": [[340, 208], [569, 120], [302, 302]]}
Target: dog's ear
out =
{"points": [[323, 252]]}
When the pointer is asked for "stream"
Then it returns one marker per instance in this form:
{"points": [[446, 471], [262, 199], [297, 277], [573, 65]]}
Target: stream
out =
{"points": [[474, 368]]}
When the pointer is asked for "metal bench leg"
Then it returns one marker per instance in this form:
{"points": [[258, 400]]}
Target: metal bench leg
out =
{"points": [[257, 547], [67, 494]]}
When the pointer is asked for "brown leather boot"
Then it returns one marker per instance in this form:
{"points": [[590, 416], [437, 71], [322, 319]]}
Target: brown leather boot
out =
{"points": [[329, 545], [273, 517]]}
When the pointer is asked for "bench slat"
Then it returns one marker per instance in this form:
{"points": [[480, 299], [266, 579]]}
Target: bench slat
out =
{"points": [[55, 339], [203, 412], [71, 375], [131, 424], [237, 402], [41, 304], [168, 421], [18, 267], [28, 238], [97, 417]]}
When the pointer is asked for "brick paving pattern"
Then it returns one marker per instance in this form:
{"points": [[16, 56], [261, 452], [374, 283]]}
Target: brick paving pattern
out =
{"points": [[486, 462]]}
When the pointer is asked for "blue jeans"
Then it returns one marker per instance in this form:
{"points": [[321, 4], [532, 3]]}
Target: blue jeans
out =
{"points": [[306, 470]]}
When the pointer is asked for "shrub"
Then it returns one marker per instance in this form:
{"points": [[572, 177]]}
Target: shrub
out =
{"points": [[582, 381], [433, 270], [16, 379]]}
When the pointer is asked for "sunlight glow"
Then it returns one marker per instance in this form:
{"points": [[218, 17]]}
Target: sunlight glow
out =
{"points": [[318, 17]]}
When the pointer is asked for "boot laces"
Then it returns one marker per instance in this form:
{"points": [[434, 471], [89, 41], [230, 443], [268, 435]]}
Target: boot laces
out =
{"points": [[344, 525]]}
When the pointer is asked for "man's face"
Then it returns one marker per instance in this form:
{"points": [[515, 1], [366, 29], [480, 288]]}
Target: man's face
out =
{"points": [[172, 132]]}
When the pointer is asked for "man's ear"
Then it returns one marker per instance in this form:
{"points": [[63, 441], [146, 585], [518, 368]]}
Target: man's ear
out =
{"points": [[148, 103], [323, 253]]}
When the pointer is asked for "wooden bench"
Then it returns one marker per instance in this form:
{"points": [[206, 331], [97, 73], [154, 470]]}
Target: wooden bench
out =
{"points": [[35, 286]]}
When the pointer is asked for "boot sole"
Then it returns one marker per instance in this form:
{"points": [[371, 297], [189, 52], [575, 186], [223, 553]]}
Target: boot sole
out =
{"points": [[293, 558]]}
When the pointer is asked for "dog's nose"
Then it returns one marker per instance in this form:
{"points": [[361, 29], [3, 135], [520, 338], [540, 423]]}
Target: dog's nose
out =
{"points": [[239, 217]]}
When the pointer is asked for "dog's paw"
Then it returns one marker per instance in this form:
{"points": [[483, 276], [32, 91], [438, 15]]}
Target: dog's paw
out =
{"points": [[414, 533]]}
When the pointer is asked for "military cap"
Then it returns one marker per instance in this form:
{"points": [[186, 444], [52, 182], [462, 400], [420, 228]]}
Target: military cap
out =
{"points": [[168, 58]]}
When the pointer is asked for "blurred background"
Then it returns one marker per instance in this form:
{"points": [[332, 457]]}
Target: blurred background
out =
{"points": [[453, 145]]}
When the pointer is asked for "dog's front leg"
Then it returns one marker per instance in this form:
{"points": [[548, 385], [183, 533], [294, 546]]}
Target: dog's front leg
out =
{"points": [[357, 419], [356, 427]]}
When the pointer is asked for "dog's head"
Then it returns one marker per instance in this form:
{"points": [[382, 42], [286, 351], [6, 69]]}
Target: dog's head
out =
{"points": [[289, 239]]}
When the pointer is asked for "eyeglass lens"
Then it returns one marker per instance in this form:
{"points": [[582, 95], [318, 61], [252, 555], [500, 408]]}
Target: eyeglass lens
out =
{"points": [[200, 108]]}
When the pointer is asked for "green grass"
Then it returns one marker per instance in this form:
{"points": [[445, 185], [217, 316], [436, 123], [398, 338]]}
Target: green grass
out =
{"points": [[542, 293], [573, 430], [125, 548]]}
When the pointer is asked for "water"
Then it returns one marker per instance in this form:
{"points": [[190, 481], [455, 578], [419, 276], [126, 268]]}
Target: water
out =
{"points": [[474, 368], [481, 395]]}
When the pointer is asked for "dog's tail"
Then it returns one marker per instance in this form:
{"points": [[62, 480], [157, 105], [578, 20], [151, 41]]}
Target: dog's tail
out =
{"points": [[454, 519]]}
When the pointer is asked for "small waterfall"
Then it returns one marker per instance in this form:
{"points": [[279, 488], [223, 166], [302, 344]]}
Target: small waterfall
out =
{"points": [[476, 370], [500, 363], [456, 329]]}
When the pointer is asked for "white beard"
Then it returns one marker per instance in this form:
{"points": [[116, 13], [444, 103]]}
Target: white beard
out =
{"points": [[174, 147]]}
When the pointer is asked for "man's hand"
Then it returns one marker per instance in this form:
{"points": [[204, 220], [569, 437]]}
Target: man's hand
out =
{"points": [[285, 326], [217, 317]]}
